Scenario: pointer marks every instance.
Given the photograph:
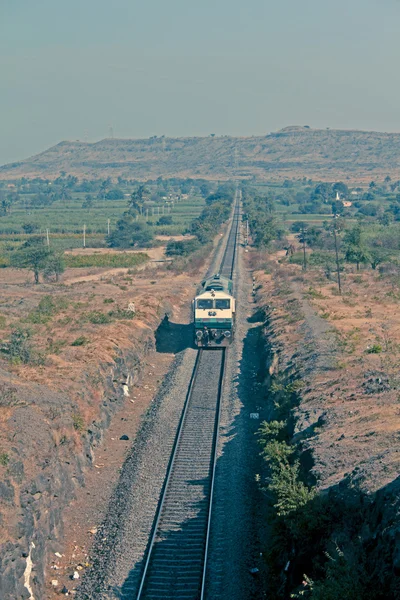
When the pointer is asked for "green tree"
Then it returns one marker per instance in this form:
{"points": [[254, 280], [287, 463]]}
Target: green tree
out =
{"points": [[54, 267], [138, 198], [341, 188], [129, 233], [355, 248], [32, 255]]}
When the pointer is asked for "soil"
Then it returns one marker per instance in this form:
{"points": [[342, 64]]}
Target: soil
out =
{"points": [[50, 405], [346, 349]]}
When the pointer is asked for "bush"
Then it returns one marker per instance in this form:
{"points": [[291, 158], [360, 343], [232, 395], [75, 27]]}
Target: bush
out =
{"points": [[98, 318], [182, 248], [80, 341], [375, 349], [18, 347], [120, 259], [78, 422], [4, 459]]}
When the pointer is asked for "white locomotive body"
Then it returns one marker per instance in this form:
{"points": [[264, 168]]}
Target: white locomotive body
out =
{"points": [[214, 313]]}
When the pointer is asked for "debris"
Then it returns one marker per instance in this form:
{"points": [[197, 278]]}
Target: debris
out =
{"points": [[254, 416], [254, 571], [75, 575], [64, 590], [93, 531], [125, 438], [54, 582], [58, 554]]}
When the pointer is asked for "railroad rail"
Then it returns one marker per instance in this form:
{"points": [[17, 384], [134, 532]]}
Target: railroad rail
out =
{"points": [[176, 558], [228, 260]]}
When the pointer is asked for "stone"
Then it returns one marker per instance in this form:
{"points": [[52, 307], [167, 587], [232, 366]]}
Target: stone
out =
{"points": [[6, 492]]}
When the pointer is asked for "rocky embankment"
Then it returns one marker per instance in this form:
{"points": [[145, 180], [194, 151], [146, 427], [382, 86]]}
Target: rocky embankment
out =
{"points": [[70, 368], [332, 446]]}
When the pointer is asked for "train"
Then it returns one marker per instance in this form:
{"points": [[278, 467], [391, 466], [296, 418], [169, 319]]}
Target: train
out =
{"points": [[214, 313]]}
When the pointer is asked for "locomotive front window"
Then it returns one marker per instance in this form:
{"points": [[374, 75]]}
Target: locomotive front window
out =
{"points": [[222, 304], [206, 304]]}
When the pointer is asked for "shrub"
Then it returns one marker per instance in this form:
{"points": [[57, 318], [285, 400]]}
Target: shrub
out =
{"points": [[119, 259], [80, 341], [121, 313], [78, 422], [18, 347], [375, 349], [108, 300], [4, 459], [98, 318]]}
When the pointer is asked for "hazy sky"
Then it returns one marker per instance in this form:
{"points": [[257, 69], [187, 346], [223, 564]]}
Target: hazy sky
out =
{"points": [[70, 69]]}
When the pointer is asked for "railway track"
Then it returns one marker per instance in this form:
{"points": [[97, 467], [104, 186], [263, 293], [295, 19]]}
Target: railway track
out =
{"points": [[177, 553]]}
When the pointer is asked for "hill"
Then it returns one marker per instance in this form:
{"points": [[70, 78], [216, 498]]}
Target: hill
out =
{"points": [[290, 152]]}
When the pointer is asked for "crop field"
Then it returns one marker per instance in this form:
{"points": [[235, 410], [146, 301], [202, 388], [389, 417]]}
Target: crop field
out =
{"points": [[65, 220], [68, 216]]}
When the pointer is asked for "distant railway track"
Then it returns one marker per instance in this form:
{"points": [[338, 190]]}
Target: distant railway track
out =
{"points": [[176, 558]]}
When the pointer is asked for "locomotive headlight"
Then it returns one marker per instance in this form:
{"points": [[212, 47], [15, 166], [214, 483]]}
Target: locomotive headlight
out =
{"points": [[199, 334], [227, 334]]}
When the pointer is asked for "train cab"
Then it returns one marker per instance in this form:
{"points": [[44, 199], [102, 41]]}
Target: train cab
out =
{"points": [[214, 313]]}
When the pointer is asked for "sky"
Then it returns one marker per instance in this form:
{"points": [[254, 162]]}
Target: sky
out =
{"points": [[73, 70]]}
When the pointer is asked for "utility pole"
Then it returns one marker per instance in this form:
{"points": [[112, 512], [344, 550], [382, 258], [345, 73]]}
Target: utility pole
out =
{"points": [[247, 232], [108, 226], [47, 237], [84, 236], [303, 235], [337, 254]]}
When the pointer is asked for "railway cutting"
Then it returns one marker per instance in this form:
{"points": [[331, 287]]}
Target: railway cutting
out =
{"points": [[176, 560]]}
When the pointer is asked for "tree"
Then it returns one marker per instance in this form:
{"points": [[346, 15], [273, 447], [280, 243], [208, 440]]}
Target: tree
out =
{"points": [[54, 267], [30, 227], [337, 207], [32, 255], [341, 188], [322, 193], [115, 194], [88, 201], [137, 198], [129, 233], [356, 251], [165, 220]]}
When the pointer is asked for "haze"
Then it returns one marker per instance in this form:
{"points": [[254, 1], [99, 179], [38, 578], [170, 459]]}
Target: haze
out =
{"points": [[180, 68]]}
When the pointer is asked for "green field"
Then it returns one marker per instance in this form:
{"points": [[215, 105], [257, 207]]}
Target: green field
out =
{"points": [[65, 221]]}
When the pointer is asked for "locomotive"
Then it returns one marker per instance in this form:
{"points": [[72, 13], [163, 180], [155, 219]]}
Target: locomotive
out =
{"points": [[214, 313]]}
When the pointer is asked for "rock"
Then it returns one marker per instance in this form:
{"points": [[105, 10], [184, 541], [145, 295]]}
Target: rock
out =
{"points": [[54, 582], [16, 471], [6, 492], [124, 438], [58, 554], [64, 590], [75, 575]]}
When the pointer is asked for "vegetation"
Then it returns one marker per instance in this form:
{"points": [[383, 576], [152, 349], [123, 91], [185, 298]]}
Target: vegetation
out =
{"points": [[112, 260], [19, 348]]}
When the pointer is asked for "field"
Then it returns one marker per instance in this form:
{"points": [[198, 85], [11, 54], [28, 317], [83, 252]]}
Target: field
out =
{"points": [[65, 220]]}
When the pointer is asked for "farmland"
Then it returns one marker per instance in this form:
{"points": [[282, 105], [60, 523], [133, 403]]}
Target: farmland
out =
{"points": [[64, 218]]}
